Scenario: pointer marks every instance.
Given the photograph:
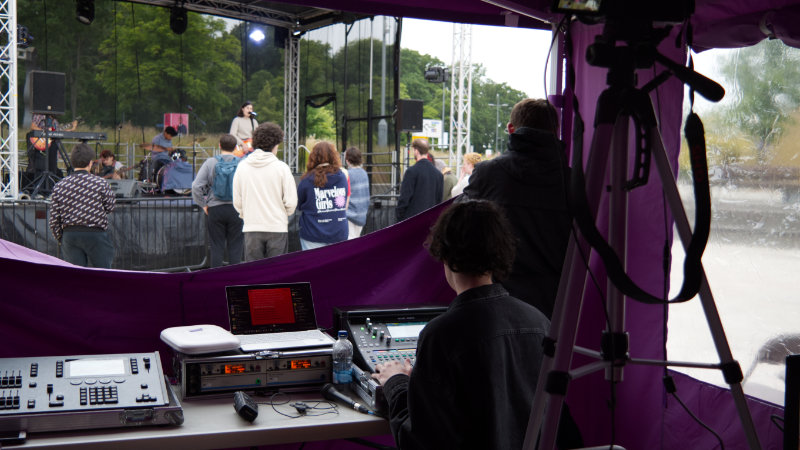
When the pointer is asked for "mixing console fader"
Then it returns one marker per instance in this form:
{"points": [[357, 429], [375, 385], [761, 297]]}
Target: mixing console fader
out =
{"points": [[384, 334]]}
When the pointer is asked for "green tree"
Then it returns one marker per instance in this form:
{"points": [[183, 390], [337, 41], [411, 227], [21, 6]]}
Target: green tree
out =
{"points": [[766, 89], [152, 71]]}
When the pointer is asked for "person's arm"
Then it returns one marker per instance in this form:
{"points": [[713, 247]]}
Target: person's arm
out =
{"points": [[238, 200], [55, 214], [201, 185], [406, 193], [109, 198], [290, 197], [235, 132]]}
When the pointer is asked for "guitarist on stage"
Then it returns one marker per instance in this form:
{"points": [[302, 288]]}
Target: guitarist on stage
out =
{"points": [[242, 129], [108, 167], [39, 151]]}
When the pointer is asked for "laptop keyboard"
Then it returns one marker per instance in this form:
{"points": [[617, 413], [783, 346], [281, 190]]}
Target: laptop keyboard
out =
{"points": [[278, 337]]}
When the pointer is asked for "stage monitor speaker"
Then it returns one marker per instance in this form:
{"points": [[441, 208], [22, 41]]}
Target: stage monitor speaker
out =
{"points": [[48, 92], [124, 188], [409, 115]]}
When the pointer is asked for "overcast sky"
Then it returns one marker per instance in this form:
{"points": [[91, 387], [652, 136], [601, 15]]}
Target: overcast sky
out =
{"points": [[514, 56]]}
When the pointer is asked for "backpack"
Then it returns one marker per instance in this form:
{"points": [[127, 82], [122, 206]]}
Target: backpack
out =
{"points": [[223, 178]]}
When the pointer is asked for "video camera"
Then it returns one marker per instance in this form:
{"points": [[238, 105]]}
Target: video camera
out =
{"points": [[630, 11]]}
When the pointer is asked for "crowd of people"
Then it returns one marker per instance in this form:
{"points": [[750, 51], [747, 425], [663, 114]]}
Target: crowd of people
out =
{"points": [[502, 244]]}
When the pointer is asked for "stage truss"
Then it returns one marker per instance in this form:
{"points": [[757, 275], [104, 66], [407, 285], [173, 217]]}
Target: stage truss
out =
{"points": [[9, 159]]}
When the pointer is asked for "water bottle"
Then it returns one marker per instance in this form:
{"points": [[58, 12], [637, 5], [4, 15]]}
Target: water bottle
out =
{"points": [[342, 360]]}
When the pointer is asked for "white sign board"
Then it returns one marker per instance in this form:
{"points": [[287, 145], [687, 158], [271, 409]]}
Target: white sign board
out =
{"points": [[431, 128]]}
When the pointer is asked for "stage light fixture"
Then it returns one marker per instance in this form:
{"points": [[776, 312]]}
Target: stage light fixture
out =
{"points": [[257, 35], [178, 19], [84, 11]]}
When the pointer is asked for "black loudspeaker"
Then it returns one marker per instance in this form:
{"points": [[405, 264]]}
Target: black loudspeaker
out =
{"points": [[409, 115], [48, 92], [280, 35]]}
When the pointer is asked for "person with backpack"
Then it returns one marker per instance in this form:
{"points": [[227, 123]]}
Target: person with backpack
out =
{"points": [[212, 189]]}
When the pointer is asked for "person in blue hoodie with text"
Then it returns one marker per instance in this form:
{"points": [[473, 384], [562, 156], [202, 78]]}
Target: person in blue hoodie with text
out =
{"points": [[322, 197]]}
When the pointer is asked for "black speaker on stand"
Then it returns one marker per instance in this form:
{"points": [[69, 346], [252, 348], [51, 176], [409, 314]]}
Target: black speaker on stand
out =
{"points": [[47, 97], [409, 116], [48, 92]]}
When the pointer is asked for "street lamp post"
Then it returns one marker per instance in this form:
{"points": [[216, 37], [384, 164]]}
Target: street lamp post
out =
{"points": [[497, 104]]}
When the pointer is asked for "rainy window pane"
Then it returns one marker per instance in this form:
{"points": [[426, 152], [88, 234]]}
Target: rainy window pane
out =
{"points": [[752, 260]]}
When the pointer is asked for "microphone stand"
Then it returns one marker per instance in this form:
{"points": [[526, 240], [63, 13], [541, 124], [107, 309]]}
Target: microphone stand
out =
{"points": [[194, 138]]}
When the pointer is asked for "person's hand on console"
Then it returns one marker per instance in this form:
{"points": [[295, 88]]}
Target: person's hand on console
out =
{"points": [[390, 369]]}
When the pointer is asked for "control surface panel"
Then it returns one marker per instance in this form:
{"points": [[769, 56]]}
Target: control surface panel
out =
{"points": [[386, 334], [72, 392]]}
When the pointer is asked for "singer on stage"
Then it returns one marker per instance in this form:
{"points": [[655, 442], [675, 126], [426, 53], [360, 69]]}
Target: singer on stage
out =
{"points": [[477, 364], [242, 128]]}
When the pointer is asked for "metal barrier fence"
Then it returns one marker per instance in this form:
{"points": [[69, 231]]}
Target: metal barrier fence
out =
{"points": [[158, 234], [162, 234]]}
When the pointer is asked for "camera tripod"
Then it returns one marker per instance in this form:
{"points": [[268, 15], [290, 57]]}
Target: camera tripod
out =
{"points": [[620, 103]]}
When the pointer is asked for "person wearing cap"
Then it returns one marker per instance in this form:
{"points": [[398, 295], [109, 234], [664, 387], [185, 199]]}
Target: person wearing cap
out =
{"points": [[79, 209]]}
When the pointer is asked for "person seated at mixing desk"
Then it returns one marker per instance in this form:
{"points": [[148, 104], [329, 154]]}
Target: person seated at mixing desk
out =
{"points": [[476, 391]]}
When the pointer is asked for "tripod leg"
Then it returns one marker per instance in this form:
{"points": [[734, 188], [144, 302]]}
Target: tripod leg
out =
{"points": [[566, 312], [731, 370]]}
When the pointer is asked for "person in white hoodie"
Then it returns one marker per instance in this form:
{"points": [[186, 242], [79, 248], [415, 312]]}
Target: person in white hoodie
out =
{"points": [[265, 195]]}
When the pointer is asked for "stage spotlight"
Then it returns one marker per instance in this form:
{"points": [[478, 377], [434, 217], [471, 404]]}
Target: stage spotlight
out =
{"points": [[178, 19], [257, 35], [84, 11]]}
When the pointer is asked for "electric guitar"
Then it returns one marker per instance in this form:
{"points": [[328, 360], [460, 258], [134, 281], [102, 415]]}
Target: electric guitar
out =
{"points": [[42, 144], [97, 167], [242, 150]]}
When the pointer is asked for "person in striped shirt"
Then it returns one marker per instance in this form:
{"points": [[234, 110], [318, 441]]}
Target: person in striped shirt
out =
{"points": [[79, 208]]}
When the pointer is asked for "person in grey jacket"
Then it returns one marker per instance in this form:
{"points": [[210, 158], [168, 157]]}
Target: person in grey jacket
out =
{"points": [[224, 223]]}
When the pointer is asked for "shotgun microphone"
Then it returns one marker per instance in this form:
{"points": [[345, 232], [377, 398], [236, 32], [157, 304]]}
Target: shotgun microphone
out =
{"points": [[329, 392]]}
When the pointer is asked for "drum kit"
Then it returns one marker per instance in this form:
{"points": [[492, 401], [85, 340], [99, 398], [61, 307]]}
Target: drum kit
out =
{"points": [[153, 171]]}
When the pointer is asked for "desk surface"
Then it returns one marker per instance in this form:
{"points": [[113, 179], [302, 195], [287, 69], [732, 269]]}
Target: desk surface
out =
{"points": [[213, 423]]}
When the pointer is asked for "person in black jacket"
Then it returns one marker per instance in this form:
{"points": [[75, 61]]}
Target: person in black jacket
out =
{"points": [[477, 364], [422, 184], [529, 183]]}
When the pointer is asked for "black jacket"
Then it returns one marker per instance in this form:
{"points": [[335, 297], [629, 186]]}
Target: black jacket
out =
{"points": [[529, 183], [420, 190], [474, 378]]}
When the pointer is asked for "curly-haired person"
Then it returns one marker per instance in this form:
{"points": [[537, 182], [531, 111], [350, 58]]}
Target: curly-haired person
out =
{"points": [[322, 197], [471, 393], [265, 195]]}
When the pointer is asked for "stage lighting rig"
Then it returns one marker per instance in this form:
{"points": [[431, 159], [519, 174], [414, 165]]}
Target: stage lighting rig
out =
{"points": [[178, 19], [84, 11], [437, 74], [257, 35]]}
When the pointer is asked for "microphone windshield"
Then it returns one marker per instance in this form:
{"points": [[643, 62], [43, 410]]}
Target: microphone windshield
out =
{"points": [[253, 113]]}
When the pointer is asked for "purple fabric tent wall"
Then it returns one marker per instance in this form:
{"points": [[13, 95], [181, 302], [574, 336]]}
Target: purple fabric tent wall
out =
{"points": [[645, 417], [51, 308]]}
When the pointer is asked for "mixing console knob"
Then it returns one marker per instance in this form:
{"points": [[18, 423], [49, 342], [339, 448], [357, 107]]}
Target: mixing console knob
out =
{"points": [[383, 334]]}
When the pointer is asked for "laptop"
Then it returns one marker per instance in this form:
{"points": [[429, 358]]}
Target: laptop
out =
{"points": [[274, 317]]}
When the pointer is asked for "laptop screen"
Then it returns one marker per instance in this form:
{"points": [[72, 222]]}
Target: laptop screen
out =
{"points": [[270, 308]]}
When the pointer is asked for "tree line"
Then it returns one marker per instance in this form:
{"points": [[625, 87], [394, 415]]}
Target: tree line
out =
{"points": [[129, 67]]}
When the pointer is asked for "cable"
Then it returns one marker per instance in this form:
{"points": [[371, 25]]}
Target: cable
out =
{"points": [[699, 422], [310, 409]]}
